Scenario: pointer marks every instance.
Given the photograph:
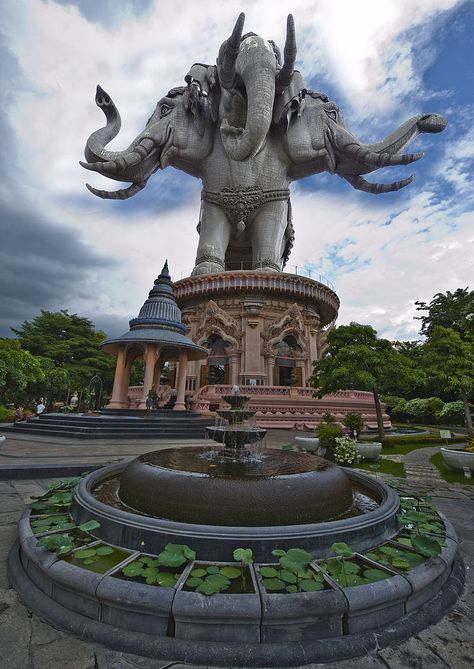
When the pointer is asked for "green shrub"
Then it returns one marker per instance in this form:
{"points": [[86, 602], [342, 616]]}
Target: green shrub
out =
{"points": [[355, 423], [327, 434], [424, 410], [391, 402], [7, 415], [452, 413]]}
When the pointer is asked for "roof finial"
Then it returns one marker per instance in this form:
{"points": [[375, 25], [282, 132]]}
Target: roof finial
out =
{"points": [[165, 273]]}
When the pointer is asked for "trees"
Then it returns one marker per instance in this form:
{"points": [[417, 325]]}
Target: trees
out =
{"points": [[19, 371], [71, 343], [449, 364], [357, 358], [450, 310]]}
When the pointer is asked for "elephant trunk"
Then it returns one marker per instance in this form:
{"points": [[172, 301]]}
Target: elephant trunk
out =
{"points": [[135, 164], [256, 67]]}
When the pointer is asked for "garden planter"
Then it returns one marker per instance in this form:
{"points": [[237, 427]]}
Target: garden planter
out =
{"points": [[374, 604], [368, 451], [427, 579], [36, 561], [221, 617], [309, 444], [133, 604], [302, 615], [458, 460]]}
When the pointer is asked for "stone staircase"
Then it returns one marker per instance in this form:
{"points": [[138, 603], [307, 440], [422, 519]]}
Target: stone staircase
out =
{"points": [[117, 424]]}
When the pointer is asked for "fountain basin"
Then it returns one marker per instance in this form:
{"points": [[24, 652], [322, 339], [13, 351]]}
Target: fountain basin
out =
{"points": [[185, 485], [134, 530]]}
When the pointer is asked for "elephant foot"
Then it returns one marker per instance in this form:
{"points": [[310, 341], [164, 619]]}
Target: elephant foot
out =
{"points": [[208, 268], [267, 265]]}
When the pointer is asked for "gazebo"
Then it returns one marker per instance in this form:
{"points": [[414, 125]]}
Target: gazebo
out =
{"points": [[156, 335]]}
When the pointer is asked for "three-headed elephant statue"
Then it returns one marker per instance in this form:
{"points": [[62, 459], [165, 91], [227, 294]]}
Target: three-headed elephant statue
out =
{"points": [[247, 127]]}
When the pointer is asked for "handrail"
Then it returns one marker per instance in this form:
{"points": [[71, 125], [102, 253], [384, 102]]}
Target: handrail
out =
{"points": [[250, 265]]}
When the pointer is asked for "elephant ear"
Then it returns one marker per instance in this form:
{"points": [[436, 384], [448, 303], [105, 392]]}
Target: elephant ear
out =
{"points": [[290, 100], [202, 96]]}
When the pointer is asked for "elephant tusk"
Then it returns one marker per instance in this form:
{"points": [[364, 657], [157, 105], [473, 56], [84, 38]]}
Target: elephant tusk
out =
{"points": [[362, 155], [122, 194], [359, 183], [285, 75], [229, 53], [140, 151]]}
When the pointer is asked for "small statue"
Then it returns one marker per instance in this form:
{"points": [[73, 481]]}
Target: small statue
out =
{"points": [[235, 389], [152, 400]]}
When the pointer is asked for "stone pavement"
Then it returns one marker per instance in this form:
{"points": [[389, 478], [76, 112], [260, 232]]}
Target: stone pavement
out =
{"points": [[28, 643]]}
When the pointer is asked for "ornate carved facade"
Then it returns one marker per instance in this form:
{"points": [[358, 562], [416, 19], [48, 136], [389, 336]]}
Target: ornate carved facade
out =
{"points": [[260, 329]]}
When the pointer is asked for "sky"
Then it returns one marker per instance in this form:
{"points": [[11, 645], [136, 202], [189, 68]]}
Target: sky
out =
{"points": [[382, 61]]}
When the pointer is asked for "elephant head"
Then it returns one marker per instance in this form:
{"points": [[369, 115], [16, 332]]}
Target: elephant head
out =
{"points": [[178, 133], [317, 140], [250, 74]]}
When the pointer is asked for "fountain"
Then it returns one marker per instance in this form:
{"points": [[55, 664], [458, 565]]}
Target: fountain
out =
{"points": [[235, 486]]}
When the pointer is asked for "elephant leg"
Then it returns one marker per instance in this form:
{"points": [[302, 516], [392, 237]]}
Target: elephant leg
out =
{"points": [[266, 235], [214, 236]]}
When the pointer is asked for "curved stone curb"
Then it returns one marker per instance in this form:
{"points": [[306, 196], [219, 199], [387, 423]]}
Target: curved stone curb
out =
{"points": [[233, 654], [216, 542]]}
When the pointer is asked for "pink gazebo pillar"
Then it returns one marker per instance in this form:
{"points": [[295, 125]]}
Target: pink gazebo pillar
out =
{"points": [[119, 399], [180, 404], [151, 356]]}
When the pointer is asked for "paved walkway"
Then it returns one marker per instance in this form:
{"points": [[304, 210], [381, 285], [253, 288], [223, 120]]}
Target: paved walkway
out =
{"points": [[28, 643]]}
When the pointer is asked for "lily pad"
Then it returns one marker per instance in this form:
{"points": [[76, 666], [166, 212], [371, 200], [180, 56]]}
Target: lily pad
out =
{"points": [[89, 526], [133, 569], [426, 546], [104, 550], [212, 569], [85, 553], [244, 555], [198, 573], [175, 555], [373, 575], [273, 584], [194, 581], [166, 580], [342, 549], [268, 572], [287, 576], [310, 585], [401, 563]]}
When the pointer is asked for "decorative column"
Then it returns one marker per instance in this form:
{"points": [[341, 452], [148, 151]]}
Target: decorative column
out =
{"points": [[151, 356], [117, 401], [234, 368], [270, 370], [252, 324], [180, 404]]}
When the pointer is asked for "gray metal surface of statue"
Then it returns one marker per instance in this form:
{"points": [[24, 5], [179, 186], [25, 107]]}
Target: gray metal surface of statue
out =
{"points": [[247, 127]]}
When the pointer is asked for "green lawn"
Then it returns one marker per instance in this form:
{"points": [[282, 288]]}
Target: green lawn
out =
{"points": [[386, 467], [449, 474]]}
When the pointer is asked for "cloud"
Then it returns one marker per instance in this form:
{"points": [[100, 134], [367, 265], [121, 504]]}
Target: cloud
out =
{"points": [[66, 249]]}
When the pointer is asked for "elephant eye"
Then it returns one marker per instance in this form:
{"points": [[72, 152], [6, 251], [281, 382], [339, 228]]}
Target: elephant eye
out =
{"points": [[164, 110], [332, 113]]}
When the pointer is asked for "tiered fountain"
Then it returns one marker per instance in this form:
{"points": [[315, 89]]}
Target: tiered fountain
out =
{"points": [[236, 433]]}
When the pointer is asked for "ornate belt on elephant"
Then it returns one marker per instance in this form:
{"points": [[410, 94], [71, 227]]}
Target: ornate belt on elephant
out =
{"points": [[240, 202]]}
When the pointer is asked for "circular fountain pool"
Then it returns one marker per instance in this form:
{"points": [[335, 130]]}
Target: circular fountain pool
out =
{"points": [[277, 488]]}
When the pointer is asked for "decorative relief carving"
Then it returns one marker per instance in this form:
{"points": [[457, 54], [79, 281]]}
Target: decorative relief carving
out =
{"points": [[216, 321], [291, 323]]}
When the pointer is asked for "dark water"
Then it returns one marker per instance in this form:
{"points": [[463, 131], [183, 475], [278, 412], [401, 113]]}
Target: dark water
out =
{"points": [[207, 461]]}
